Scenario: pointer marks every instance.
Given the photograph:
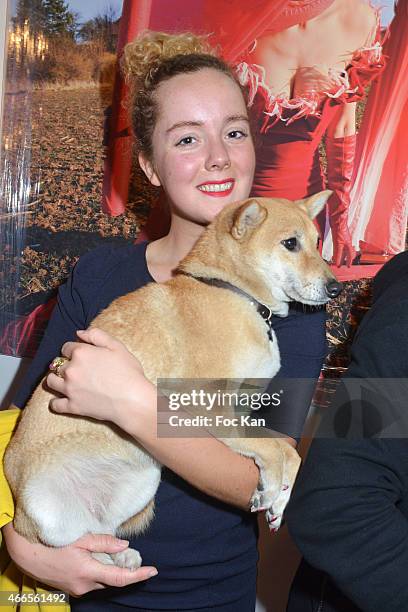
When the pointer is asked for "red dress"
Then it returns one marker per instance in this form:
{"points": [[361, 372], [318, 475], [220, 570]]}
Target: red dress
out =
{"points": [[290, 130]]}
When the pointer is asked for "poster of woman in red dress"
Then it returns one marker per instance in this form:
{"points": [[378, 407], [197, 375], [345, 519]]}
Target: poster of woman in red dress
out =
{"points": [[307, 66], [304, 87], [328, 94]]}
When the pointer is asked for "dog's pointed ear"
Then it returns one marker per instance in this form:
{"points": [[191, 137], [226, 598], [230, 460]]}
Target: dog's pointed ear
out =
{"points": [[315, 203], [246, 218]]}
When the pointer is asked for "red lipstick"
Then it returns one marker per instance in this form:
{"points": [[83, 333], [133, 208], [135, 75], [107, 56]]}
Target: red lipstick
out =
{"points": [[213, 188]]}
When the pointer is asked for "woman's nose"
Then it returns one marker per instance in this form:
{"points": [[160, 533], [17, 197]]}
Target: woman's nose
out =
{"points": [[217, 157]]}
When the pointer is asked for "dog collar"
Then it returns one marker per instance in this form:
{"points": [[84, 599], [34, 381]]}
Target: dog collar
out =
{"points": [[262, 309]]}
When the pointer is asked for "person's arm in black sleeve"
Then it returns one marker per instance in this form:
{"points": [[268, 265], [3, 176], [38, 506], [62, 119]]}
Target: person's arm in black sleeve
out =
{"points": [[69, 315], [303, 347], [345, 513]]}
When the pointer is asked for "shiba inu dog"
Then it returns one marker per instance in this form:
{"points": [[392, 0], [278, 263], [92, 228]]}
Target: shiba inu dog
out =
{"points": [[71, 476]]}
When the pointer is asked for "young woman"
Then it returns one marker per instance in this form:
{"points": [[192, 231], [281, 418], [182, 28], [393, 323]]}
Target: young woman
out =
{"points": [[191, 125]]}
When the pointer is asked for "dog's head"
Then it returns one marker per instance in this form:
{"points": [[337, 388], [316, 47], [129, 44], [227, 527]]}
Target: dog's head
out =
{"points": [[268, 247]]}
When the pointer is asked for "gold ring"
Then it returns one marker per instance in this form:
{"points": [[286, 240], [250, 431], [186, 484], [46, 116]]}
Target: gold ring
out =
{"points": [[56, 365]]}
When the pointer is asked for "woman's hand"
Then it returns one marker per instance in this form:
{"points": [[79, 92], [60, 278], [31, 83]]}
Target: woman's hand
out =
{"points": [[72, 569], [101, 380]]}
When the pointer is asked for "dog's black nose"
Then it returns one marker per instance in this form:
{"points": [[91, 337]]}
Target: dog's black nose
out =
{"points": [[334, 288]]}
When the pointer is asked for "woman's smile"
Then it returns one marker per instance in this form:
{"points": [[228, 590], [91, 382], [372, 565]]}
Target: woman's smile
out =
{"points": [[218, 189]]}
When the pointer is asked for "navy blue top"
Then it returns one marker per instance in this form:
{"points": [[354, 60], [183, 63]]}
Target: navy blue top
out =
{"points": [[205, 550]]}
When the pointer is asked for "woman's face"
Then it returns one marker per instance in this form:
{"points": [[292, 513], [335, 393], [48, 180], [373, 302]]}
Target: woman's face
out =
{"points": [[203, 154]]}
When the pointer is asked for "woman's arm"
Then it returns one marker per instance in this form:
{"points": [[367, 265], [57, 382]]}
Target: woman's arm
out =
{"points": [[340, 152], [206, 463], [344, 121], [303, 348], [72, 569]]}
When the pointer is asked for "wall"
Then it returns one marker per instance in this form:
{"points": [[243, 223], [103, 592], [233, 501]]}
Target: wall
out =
{"points": [[12, 369]]}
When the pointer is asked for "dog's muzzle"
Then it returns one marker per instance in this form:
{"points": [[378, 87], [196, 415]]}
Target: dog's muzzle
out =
{"points": [[333, 288]]}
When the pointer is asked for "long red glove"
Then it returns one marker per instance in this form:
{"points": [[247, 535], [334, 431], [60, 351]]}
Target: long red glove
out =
{"points": [[158, 221], [340, 161]]}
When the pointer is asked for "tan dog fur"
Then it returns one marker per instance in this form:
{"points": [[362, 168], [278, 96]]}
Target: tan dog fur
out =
{"points": [[72, 475]]}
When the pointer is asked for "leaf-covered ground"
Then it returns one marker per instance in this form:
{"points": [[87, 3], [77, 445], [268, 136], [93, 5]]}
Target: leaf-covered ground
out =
{"points": [[51, 207]]}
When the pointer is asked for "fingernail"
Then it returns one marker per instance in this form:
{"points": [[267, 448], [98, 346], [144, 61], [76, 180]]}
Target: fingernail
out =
{"points": [[152, 573], [123, 543]]}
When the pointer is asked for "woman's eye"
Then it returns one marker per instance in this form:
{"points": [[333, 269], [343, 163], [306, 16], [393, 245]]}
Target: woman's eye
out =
{"points": [[187, 140], [237, 134], [291, 244]]}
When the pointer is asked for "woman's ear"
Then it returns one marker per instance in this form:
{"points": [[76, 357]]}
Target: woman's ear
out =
{"points": [[148, 168]]}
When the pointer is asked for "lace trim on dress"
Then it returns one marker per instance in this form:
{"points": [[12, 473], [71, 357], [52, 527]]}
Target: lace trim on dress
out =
{"points": [[347, 85]]}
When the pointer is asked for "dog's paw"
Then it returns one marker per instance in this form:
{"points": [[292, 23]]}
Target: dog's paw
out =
{"points": [[273, 520], [282, 500], [272, 502], [129, 558], [256, 500], [259, 499], [265, 494], [104, 558], [274, 514], [276, 481]]}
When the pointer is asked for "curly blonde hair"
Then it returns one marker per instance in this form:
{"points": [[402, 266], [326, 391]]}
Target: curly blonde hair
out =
{"points": [[154, 57]]}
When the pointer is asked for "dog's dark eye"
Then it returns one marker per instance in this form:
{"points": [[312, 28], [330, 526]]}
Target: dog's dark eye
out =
{"points": [[291, 244]]}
